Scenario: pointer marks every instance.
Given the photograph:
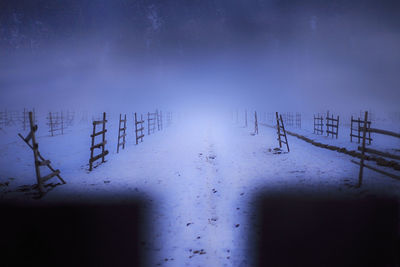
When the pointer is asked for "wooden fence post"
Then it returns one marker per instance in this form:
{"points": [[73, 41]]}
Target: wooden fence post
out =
{"points": [[360, 174], [51, 124], [148, 123], [255, 123], [279, 129], [245, 117]]}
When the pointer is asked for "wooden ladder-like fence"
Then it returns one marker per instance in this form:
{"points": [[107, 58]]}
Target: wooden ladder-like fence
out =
{"points": [[139, 128], [318, 124], [39, 160], [298, 120], [281, 131], [121, 132], [359, 123], [159, 120], [169, 119], [332, 126], [55, 121], [101, 145], [151, 122]]}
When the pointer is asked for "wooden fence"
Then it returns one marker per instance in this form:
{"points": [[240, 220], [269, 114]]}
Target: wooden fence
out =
{"points": [[100, 145], [281, 131], [332, 126], [121, 132], [364, 150], [298, 120], [55, 122], [151, 122], [169, 119], [69, 118], [359, 123], [289, 119], [139, 128], [159, 120], [38, 158], [318, 124]]}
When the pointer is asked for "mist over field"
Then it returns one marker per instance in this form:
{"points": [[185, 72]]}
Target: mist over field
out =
{"points": [[286, 55]]}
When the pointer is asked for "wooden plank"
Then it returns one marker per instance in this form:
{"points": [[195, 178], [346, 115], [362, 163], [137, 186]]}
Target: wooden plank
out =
{"points": [[384, 132], [98, 133], [99, 122], [380, 153], [99, 156], [367, 138], [332, 125], [140, 129], [121, 144], [334, 133], [378, 170], [98, 145], [360, 173], [43, 163], [332, 119], [49, 176]]}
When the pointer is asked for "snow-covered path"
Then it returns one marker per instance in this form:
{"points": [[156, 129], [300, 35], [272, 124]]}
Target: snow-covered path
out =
{"points": [[200, 180]]}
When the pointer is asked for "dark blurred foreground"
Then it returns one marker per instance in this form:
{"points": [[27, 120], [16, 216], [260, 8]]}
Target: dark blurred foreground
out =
{"points": [[288, 231], [72, 235], [319, 231]]}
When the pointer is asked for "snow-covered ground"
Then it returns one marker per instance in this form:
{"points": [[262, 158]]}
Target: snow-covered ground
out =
{"points": [[199, 179]]}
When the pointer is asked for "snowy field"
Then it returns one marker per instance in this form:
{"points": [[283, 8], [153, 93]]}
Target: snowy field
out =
{"points": [[198, 178]]}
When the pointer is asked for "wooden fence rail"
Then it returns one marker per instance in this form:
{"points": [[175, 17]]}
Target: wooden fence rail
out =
{"points": [[100, 145], [364, 150]]}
